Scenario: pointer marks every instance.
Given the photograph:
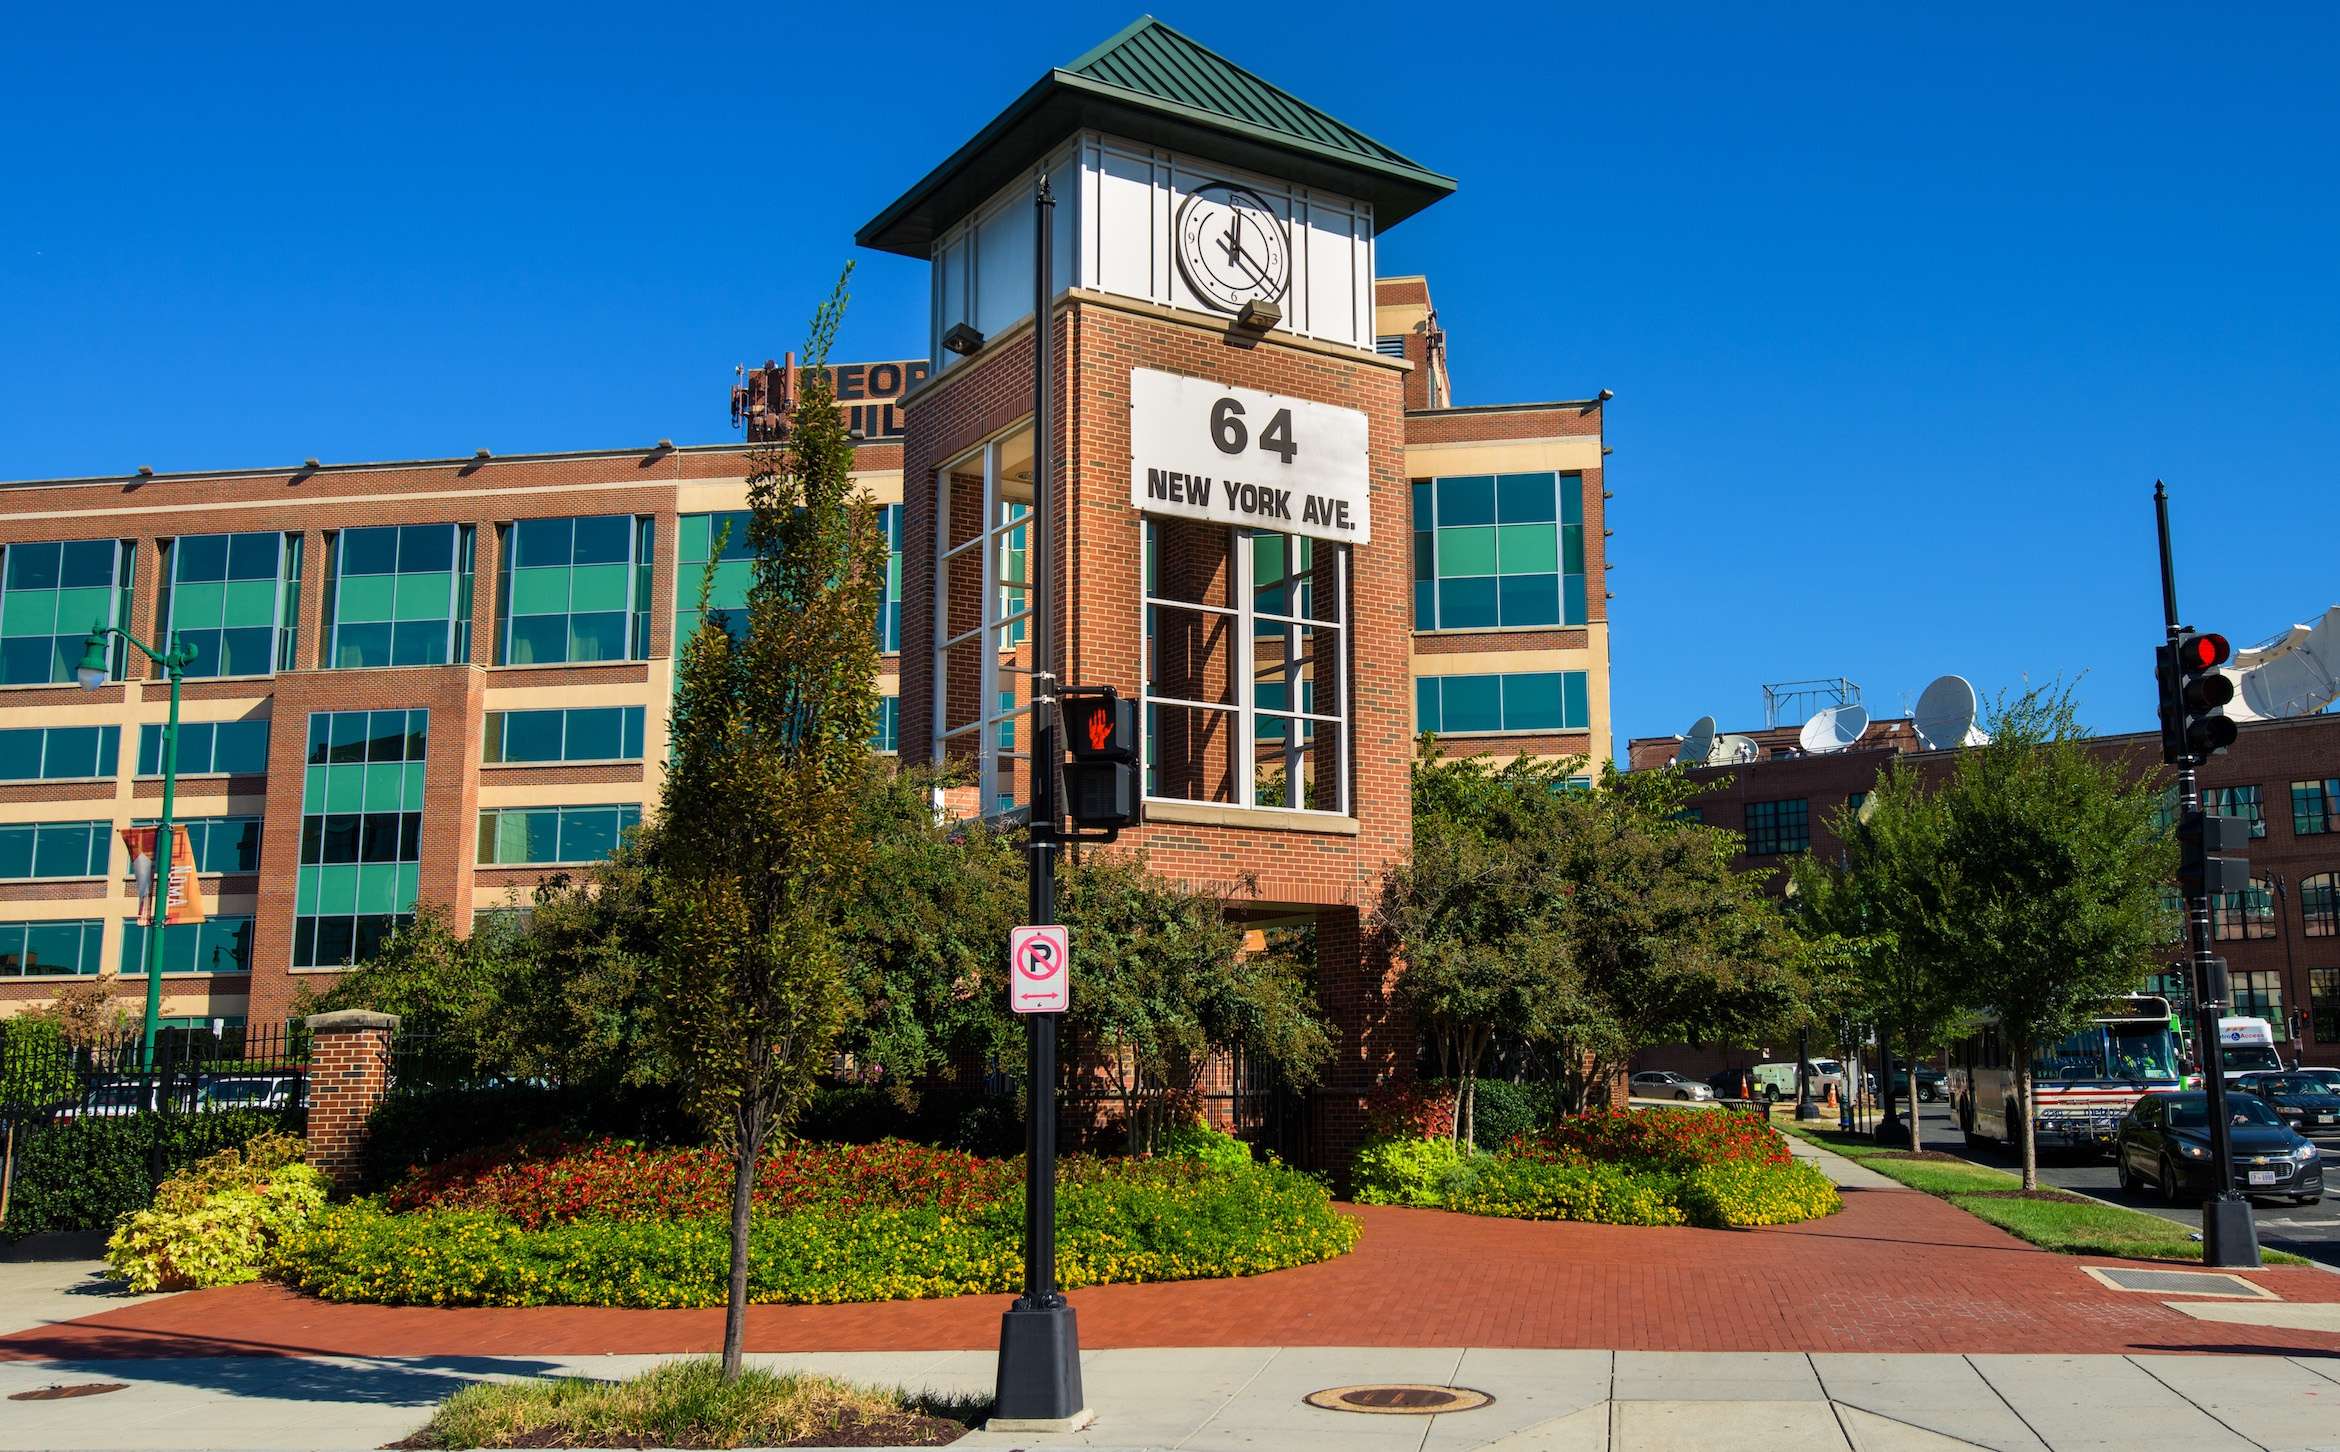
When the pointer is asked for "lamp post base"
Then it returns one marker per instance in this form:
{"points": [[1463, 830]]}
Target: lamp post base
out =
{"points": [[1039, 1369], [2228, 1236], [1807, 1110]]}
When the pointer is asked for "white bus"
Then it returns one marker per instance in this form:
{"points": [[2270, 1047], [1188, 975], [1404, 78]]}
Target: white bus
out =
{"points": [[2081, 1087]]}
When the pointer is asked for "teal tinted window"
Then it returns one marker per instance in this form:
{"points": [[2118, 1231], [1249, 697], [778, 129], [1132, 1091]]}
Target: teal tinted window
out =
{"points": [[361, 833], [215, 945], [397, 596], [888, 735], [208, 748], [2315, 807], [1502, 550], [54, 849], [1778, 827], [58, 753], [889, 622], [1548, 701], [67, 946], [568, 589], [222, 844], [536, 836], [223, 599], [585, 733], [720, 540], [52, 595]]}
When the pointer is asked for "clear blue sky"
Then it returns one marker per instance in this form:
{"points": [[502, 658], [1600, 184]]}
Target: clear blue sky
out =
{"points": [[1904, 312]]}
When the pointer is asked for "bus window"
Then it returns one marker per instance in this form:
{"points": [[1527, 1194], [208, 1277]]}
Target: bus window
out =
{"points": [[2143, 1050], [2080, 1056]]}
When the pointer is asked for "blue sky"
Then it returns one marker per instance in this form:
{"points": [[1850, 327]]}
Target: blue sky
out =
{"points": [[1905, 309]]}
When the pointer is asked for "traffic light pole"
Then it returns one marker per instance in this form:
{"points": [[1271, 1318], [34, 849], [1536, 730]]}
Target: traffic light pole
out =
{"points": [[2229, 1237], [1039, 1385]]}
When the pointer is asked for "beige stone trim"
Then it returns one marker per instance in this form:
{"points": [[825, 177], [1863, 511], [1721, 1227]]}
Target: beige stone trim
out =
{"points": [[1506, 456], [553, 697], [1265, 819], [559, 794], [1484, 662]]}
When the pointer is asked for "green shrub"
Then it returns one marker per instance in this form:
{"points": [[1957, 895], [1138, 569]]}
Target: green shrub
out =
{"points": [[431, 1125], [1223, 1152], [1736, 1193], [216, 1223], [1131, 1225], [1502, 1111], [86, 1173], [36, 1067], [1402, 1170], [1527, 1189]]}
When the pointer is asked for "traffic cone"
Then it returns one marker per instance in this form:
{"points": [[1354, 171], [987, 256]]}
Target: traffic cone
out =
{"points": [[1828, 1097]]}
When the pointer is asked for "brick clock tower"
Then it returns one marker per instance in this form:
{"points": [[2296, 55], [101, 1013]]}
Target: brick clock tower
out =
{"points": [[1232, 506]]}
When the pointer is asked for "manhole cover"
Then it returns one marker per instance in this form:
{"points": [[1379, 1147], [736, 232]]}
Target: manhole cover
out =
{"points": [[59, 1393], [1399, 1399], [2178, 1283]]}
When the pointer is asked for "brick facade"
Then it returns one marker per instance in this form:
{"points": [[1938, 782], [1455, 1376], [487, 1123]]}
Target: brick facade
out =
{"points": [[349, 1072]]}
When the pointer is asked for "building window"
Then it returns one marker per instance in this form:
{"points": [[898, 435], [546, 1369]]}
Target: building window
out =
{"points": [[2243, 915], [1499, 550], [215, 945], [735, 572], [981, 613], [29, 950], [2259, 994], [59, 753], [54, 849], [1544, 701], [2238, 801], [52, 595], [1390, 345], [222, 844], [2324, 1004], [542, 836], [399, 596], [1779, 827], [889, 620], [570, 591], [2315, 807], [361, 833], [223, 598], [584, 733], [2319, 905], [208, 748], [888, 735], [1246, 667]]}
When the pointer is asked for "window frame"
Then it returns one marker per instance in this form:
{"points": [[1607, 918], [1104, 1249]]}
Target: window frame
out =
{"points": [[1776, 826]]}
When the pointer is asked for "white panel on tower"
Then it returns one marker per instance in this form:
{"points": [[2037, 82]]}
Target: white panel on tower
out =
{"points": [[1126, 244]]}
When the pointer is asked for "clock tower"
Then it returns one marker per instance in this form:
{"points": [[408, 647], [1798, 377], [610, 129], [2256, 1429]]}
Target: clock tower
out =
{"points": [[1230, 506]]}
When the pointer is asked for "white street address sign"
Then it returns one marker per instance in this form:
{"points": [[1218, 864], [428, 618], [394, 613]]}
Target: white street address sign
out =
{"points": [[1209, 451]]}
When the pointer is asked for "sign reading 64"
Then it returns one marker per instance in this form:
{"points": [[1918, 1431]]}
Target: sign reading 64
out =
{"points": [[1211, 451]]}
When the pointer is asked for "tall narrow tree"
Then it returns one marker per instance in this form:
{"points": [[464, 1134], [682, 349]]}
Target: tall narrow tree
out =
{"points": [[752, 855]]}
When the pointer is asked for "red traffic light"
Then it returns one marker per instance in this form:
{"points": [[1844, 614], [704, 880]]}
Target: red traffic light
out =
{"points": [[2203, 652]]}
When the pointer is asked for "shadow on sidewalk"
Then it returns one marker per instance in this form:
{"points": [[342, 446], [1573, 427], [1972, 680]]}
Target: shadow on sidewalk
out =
{"points": [[422, 1381]]}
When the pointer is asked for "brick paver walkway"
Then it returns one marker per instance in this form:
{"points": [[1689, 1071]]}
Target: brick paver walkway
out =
{"points": [[1896, 1271]]}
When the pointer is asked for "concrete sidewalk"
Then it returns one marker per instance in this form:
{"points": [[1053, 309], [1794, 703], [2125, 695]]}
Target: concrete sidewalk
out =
{"points": [[1209, 1399], [1843, 1173]]}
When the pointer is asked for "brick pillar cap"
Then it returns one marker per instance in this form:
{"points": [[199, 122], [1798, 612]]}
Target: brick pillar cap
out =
{"points": [[343, 1020]]}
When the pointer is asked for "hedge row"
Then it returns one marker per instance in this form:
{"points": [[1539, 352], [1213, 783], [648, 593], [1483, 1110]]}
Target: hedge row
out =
{"points": [[82, 1174]]}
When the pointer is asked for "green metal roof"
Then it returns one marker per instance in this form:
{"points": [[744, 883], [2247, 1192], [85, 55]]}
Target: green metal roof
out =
{"points": [[1152, 84]]}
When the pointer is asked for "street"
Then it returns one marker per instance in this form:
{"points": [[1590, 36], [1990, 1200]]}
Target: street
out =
{"points": [[2309, 1230]]}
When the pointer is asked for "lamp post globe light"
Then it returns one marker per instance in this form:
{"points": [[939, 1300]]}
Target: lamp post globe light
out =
{"points": [[94, 672]]}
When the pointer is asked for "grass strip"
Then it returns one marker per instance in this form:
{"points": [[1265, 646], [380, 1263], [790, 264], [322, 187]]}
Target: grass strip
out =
{"points": [[2050, 1220], [688, 1404]]}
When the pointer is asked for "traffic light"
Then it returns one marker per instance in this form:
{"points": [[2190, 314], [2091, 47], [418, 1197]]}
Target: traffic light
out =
{"points": [[1101, 780], [2210, 849], [2192, 687]]}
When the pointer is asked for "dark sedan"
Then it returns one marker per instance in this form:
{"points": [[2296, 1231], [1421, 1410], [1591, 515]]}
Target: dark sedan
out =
{"points": [[2165, 1142], [2303, 1101], [1930, 1083]]}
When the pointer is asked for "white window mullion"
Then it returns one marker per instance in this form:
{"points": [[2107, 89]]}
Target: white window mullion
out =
{"points": [[987, 667], [938, 708], [1245, 673]]}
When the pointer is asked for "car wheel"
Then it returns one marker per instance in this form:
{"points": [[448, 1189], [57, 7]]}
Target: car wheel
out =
{"points": [[2307, 1200], [1684, 1095], [2172, 1188], [2128, 1177], [1770, 1095]]}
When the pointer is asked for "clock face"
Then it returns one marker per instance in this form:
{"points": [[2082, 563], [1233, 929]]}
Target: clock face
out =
{"points": [[1231, 246]]}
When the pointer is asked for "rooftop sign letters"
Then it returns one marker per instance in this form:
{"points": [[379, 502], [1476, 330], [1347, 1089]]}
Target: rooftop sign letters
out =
{"points": [[1209, 451]]}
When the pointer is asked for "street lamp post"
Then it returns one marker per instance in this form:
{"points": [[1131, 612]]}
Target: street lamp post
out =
{"points": [[95, 670]]}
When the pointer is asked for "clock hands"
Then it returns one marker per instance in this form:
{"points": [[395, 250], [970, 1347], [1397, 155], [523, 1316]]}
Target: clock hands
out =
{"points": [[1236, 251]]}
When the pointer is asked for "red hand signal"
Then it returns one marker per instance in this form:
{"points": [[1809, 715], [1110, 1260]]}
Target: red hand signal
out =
{"points": [[1100, 729]]}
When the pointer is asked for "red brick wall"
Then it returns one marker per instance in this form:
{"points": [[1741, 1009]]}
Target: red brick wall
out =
{"points": [[349, 1072]]}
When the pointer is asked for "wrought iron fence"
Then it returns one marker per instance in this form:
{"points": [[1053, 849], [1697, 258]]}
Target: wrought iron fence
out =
{"points": [[193, 1071]]}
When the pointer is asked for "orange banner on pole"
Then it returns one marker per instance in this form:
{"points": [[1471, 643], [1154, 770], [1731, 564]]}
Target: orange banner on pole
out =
{"points": [[185, 903]]}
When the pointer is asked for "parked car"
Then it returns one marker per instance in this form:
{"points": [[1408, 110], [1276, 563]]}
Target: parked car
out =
{"points": [[116, 1097], [2164, 1141], [1931, 1084], [1666, 1084], [248, 1091], [2302, 1101], [1775, 1082]]}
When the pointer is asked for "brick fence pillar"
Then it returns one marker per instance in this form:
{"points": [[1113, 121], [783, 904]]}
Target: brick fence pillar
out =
{"points": [[349, 1072]]}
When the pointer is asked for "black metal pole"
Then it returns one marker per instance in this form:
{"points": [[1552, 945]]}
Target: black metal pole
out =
{"points": [[2229, 1238], [1039, 1385], [1805, 1108]]}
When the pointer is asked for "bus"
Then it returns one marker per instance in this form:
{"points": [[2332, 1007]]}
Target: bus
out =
{"points": [[2081, 1086]]}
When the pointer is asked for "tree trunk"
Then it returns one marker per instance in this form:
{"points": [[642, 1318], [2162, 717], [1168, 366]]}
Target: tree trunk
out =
{"points": [[748, 1149], [7, 1171], [1917, 1135], [2023, 1108]]}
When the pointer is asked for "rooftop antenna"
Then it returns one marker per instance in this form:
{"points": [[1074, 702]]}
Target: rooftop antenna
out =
{"points": [[1833, 729], [1786, 701], [1736, 750], [1697, 743], [1945, 715]]}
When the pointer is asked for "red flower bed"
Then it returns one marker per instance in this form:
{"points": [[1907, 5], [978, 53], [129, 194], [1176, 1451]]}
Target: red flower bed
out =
{"points": [[1410, 1111], [536, 1182], [1674, 1139]]}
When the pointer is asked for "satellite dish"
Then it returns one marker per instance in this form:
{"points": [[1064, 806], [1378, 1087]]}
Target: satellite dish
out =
{"points": [[1697, 743], [1734, 750], [2297, 673], [1945, 715], [1833, 729]]}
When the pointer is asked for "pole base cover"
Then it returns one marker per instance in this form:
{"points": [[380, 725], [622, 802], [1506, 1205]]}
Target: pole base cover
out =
{"points": [[1807, 1110], [2228, 1236], [1039, 1366]]}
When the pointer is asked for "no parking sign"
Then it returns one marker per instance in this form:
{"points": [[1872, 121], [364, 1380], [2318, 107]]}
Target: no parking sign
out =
{"points": [[1039, 969]]}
